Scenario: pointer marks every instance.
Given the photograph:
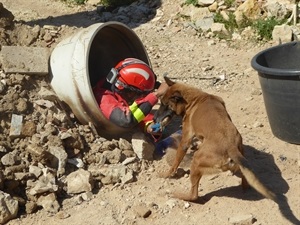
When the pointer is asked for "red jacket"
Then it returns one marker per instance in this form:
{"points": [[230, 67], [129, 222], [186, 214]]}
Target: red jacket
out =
{"points": [[117, 110]]}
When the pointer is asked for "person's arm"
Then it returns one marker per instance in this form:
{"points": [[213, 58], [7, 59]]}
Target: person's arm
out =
{"points": [[120, 113], [148, 122], [115, 109]]}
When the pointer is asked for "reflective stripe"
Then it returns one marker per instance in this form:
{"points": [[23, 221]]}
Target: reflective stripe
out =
{"points": [[136, 112], [147, 124]]}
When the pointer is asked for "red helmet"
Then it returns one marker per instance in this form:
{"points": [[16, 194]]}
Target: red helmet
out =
{"points": [[134, 73]]}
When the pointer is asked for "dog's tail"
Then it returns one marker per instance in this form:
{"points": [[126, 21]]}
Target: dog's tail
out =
{"points": [[251, 177]]}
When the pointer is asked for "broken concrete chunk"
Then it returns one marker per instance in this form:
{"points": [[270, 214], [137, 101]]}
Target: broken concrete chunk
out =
{"points": [[124, 144], [142, 147], [129, 160], [35, 170], [26, 60], [16, 125], [30, 207], [45, 183], [8, 207], [116, 173], [242, 220], [10, 159], [47, 94], [60, 158], [79, 181], [49, 203], [28, 129], [114, 156]]}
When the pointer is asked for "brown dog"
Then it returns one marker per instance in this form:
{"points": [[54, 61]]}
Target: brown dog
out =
{"points": [[204, 118]]}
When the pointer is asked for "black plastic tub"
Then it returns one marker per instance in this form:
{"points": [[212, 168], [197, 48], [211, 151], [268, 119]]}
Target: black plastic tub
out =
{"points": [[279, 76]]}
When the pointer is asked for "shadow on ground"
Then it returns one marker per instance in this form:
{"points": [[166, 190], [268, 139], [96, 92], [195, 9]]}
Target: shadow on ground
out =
{"points": [[87, 18], [269, 174]]}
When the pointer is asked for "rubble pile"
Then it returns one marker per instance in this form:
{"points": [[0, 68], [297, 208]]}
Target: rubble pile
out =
{"points": [[45, 154]]}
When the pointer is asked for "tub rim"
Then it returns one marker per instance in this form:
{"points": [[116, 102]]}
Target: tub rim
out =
{"points": [[275, 72]]}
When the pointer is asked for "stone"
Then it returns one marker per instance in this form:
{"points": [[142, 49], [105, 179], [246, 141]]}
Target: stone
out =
{"points": [[62, 215], [3, 149], [16, 125], [129, 160], [87, 196], [171, 203], [142, 146], [282, 33], [10, 159], [219, 28], [30, 207], [60, 158], [45, 183], [21, 106], [142, 211], [205, 23], [124, 144], [49, 203], [47, 94], [278, 9], [36, 150], [79, 181], [196, 13], [114, 156], [25, 60], [116, 173], [250, 8], [205, 2], [35, 170], [213, 7], [242, 220], [225, 15], [8, 207], [93, 2], [45, 103], [28, 129]]}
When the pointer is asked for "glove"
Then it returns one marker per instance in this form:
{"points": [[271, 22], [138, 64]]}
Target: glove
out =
{"points": [[156, 128]]}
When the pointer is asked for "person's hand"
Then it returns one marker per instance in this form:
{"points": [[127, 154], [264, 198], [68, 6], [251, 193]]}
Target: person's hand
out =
{"points": [[155, 131], [161, 90]]}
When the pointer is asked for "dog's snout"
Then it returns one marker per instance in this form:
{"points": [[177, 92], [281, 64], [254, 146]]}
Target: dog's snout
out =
{"points": [[162, 113]]}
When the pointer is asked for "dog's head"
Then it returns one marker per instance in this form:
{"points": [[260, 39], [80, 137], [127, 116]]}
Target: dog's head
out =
{"points": [[170, 104]]}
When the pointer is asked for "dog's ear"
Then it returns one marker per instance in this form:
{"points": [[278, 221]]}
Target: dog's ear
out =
{"points": [[168, 81], [177, 97]]}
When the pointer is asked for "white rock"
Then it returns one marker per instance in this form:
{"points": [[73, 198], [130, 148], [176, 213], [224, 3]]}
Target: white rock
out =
{"points": [[242, 220], [8, 207], [79, 181], [142, 147], [49, 203], [16, 125], [205, 2], [282, 33]]}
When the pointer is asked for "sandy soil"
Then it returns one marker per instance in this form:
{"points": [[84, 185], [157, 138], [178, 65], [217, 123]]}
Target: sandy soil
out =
{"points": [[187, 58]]}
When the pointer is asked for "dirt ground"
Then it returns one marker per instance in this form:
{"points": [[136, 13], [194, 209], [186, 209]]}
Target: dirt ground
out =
{"points": [[195, 60]]}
